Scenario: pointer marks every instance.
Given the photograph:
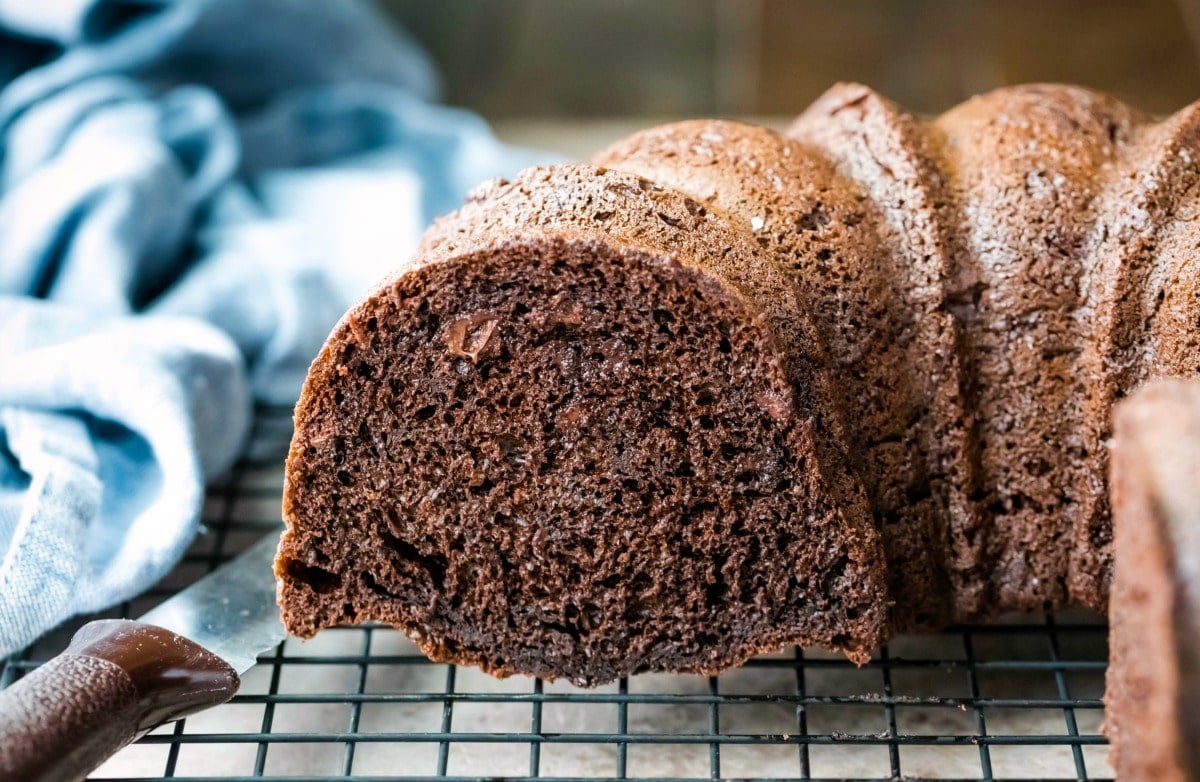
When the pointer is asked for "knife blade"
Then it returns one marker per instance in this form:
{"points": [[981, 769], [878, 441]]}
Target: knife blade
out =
{"points": [[231, 612], [118, 679]]}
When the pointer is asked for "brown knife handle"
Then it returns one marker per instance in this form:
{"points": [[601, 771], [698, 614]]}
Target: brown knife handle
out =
{"points": [[114, 682]]}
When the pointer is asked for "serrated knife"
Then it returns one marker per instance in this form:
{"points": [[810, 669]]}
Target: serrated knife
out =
{"points": [[118, 679]]}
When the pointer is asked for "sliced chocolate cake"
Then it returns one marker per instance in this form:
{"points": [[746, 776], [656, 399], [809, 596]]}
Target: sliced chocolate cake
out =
{"points": [[583, 439]]}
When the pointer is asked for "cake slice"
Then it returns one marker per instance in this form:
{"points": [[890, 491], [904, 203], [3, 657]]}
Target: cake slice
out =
{"points": [[586, 434], [1154, 607]]}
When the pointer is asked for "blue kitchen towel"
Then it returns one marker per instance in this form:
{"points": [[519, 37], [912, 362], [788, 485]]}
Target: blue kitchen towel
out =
{"points": [[191, 193]]}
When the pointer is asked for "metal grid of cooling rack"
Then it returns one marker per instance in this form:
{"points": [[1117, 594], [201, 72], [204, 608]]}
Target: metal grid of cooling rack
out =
{"points": [[1017, 700]]}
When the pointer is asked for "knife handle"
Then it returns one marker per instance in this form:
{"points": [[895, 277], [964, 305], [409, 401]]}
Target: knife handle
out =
{"points": [[116, 681]]}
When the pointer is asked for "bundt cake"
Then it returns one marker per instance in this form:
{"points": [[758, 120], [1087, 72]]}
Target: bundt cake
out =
{"points": [[723, 389], [1154, 611]]}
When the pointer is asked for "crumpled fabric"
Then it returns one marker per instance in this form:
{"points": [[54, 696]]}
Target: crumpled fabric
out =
{"points": [[191, 193]]}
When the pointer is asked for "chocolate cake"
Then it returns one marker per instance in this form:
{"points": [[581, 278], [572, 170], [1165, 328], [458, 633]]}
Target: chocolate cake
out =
{"points": [[1154, 612], [725, 389]]}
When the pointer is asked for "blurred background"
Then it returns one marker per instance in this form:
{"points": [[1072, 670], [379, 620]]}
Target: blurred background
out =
{"points": [[522, 62]]}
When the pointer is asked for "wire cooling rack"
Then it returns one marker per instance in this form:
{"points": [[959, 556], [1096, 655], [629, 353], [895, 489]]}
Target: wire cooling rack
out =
{"points": [[1018, 700]]}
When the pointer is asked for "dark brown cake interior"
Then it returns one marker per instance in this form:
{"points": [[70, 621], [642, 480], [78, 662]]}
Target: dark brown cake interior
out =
{"points": [[567, 456]]}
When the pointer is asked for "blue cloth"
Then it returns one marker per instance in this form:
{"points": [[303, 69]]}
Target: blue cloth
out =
{"points": [[191, 193]]}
